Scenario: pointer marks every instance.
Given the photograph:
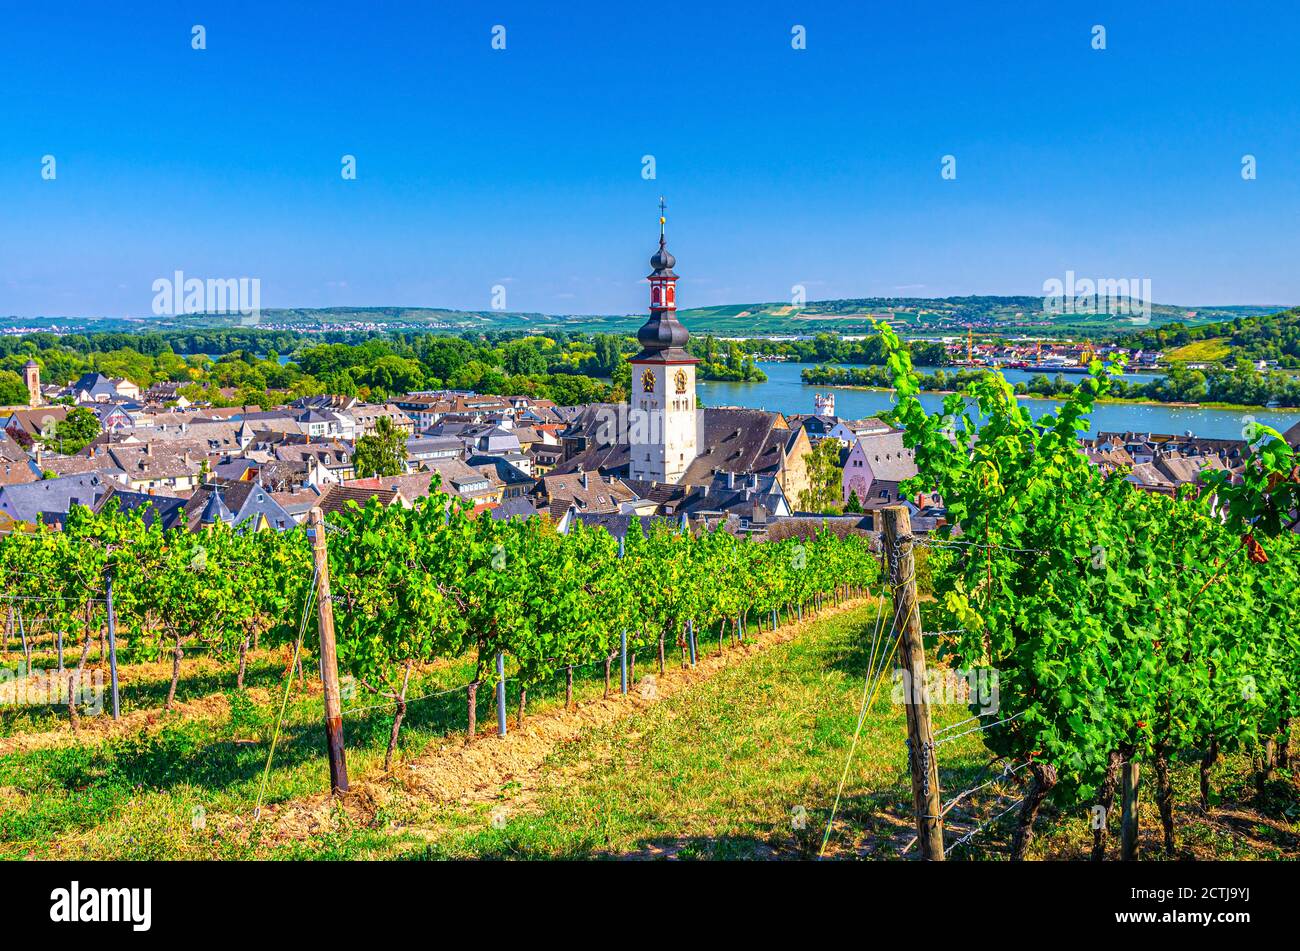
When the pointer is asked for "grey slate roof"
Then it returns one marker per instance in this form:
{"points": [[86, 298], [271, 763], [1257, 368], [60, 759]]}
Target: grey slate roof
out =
{"points": [[10, 451], [95, 384], [419, 445], [51, 499], [618, 525], [241, 502], [889, 459], [745, 497], [519, 507], [152, 508], [731, 440], [215, 510], [508, 473]]}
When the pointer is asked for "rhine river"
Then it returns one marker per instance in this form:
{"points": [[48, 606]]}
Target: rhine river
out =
{"points": [[784, 392]]}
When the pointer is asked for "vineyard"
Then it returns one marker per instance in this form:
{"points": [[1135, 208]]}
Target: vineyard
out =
{"points": [[428, 603], [1127, 628], [1133, 638]]}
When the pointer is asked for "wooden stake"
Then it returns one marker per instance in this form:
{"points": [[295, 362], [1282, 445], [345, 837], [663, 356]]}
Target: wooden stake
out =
{"points": [[329, 660], [1128, 828], [501, 694], [112, 645], [920, 738]]}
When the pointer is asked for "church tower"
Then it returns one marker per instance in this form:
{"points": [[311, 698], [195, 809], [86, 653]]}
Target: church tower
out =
{"points": [[32, 377], [662, 421]]}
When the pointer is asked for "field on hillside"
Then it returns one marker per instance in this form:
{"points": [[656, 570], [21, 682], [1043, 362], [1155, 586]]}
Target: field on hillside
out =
{"points": [[1201, 351], [739, 757]]}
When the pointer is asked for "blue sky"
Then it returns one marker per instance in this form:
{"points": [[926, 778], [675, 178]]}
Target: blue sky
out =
{"points": [[523, 167]]}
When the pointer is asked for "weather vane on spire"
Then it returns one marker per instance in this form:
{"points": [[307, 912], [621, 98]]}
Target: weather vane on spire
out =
{"points": [[662, 219]]}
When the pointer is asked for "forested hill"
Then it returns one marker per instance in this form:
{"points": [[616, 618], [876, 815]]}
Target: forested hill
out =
{"points": [[1267, 337], [911, 315]]}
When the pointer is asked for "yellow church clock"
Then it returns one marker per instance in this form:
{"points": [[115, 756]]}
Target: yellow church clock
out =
{"points": [[648, 380]]}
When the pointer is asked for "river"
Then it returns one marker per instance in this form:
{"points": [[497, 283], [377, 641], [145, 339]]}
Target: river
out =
{"points": [[786, 393]]}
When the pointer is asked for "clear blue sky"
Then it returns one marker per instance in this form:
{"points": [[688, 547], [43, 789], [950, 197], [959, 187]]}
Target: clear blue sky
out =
{"points": [[523, 167]]}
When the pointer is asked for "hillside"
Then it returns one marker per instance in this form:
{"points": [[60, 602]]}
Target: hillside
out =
{"points": [[911, 315], [1273, 337]]}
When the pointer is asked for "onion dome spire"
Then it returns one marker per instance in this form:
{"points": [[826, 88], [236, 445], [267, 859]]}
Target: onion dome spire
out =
{"points": [[662, 337]]}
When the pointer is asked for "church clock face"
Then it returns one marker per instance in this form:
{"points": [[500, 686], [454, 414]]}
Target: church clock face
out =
{"points": [[680, 379], [648, 381]]}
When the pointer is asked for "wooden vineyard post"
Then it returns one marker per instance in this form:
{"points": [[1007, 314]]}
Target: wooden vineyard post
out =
{"points": [[1128, 827], [112, 644], [623, 663], [501, 694], [329, 660], [898, 542]]}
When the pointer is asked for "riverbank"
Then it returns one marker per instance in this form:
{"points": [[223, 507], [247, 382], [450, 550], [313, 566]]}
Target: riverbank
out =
{"points": [[1105, 400], [785, 392]]}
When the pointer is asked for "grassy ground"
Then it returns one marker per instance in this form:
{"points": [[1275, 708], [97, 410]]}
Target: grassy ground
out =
{"points": [[740, 758], [745, 765], [1201, 351]]}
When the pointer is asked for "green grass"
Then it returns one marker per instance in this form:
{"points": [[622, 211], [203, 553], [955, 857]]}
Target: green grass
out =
{"points": [[134, 795], [743, 765], [1201, 351]]}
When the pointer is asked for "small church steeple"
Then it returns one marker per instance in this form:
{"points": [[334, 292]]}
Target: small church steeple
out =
{"points": [[32, 377], [663, 402], [663, 336]]}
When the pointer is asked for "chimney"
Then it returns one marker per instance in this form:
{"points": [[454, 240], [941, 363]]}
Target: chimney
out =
{"points": [[731, 480], [148, 449], [584, 480], [753, 480]]}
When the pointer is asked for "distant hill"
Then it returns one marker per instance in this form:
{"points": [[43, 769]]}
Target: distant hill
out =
{"points": [[1274, 336], [910, 315], [945, 315]]}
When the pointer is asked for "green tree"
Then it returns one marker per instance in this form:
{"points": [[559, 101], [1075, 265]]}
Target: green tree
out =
{"points": [[391, 375], [523, 357], [381, 453], [825, 476], [72, 433], [13, 391]]}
